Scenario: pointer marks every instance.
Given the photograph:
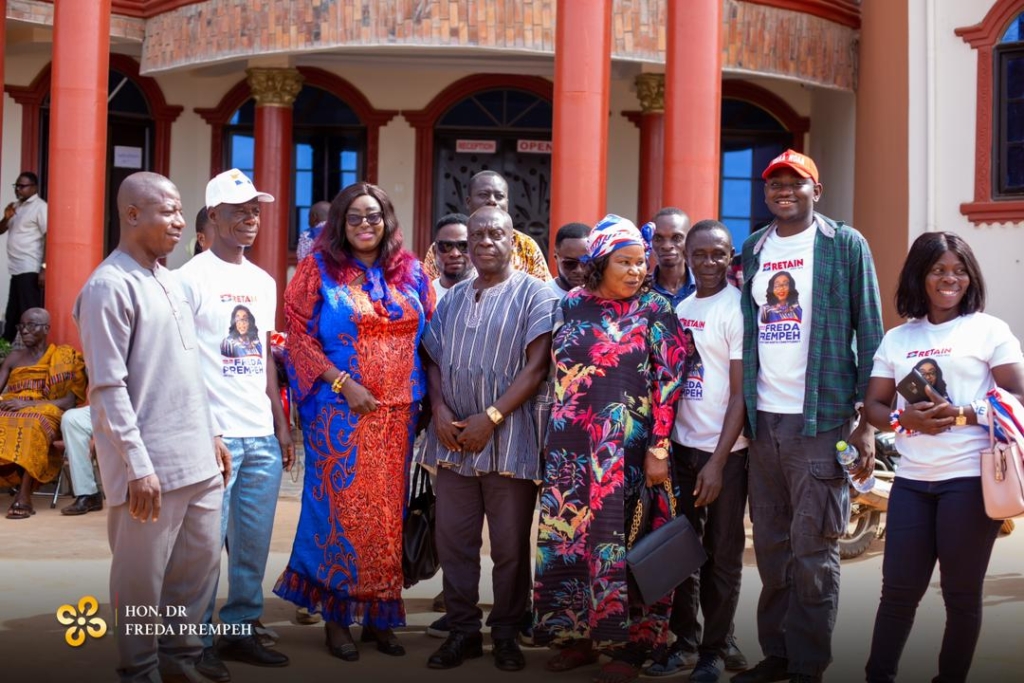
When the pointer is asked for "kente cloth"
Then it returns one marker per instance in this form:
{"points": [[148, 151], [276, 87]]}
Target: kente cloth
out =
{"points": [[346, 560], [26, 434], [619, 372]]}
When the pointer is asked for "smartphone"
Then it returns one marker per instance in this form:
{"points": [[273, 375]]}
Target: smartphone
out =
{"points": [[912, 387]]}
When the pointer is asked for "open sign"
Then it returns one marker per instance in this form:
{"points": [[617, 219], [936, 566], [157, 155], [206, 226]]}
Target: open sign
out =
{"points": [[533, 146]]}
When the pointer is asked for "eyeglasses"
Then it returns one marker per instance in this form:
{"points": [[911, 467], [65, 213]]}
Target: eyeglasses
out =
{"points": [[32, 327], [356, 219], [776, 186], [21, 186], [570, 264], [445, 246]]}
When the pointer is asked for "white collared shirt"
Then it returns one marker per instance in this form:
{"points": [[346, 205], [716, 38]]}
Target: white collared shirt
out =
{"points": [[26, 236]]}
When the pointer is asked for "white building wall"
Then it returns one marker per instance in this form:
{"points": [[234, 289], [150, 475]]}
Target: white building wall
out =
{"points": [[832, 136], [942, 147]]}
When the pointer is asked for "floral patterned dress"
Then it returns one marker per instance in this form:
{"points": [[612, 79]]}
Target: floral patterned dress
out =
{"points": [[619, 371]]}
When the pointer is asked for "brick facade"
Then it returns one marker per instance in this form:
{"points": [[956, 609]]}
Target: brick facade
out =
{"points": [[759, 38], [801, 46], [34, 12]]}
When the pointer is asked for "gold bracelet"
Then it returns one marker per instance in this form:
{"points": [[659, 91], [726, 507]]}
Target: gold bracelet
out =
{"points": [[339, 382], [495, 415]]}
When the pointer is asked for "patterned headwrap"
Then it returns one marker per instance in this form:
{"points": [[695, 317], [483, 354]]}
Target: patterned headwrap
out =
{"points": [[615, 232]]}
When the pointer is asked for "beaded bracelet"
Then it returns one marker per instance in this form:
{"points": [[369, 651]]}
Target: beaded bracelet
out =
{"points": [[894, 422], [339, 382]]}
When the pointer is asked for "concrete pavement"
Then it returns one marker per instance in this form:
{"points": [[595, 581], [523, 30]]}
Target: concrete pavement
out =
{"points": [[50, 560]]}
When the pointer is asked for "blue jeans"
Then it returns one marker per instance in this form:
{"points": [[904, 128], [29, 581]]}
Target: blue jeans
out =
{"points": [[929, 521], [247, 521]]}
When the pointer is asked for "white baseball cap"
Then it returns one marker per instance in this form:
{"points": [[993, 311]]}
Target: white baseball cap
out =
{"points": [[233, 187]]}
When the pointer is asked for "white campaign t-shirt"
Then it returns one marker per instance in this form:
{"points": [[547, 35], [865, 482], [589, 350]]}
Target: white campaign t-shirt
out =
{"points": [[716, 324], [784, 324], [957, 357], [234, 307]]}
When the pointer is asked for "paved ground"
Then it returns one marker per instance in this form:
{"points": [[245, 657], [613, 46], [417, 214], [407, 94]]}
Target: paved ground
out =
{"points": [[50, 560]]}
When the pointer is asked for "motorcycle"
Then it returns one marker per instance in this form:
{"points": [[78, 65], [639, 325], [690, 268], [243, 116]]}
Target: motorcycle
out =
{"points": [[866, 509]]}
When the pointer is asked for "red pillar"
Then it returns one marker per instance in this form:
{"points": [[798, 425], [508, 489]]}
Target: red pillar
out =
{"points": [[3, 47], [693, 105], [650, 89], [580, 133], [275, 91], [78, 157]]}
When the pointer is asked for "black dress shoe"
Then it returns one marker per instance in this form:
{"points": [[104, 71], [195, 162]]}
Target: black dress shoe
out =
{"points": [[387, 641], [211, 666], [507, 655], [251, 651], [84, 504], [768, 670], [345, 651], [457, 648]]}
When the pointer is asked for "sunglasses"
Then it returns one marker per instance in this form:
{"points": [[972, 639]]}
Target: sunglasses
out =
{"points": [[356, 219], [21, 186], [445, 246], [571, 264], [31, 327]]}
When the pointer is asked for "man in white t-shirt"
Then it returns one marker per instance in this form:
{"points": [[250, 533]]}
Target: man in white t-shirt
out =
{"points": [[452, 252], [812, 321], [231, 299], [570, 247], [24, 223], [709, 459]]}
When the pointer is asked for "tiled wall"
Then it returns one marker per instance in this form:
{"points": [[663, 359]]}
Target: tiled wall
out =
{"points": [[758, 38]]}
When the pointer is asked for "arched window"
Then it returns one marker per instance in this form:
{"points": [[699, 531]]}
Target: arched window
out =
{"points": [[329, 148], [999, 120], [1008, 140], [335, 131]]}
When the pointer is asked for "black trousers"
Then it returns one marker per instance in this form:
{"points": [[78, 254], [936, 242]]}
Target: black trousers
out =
{"points": [[715, 589], [24, 294], [462, 505], [928, 522]]}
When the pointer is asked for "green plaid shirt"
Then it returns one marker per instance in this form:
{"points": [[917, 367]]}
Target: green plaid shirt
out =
{"points": [[846, 310]]}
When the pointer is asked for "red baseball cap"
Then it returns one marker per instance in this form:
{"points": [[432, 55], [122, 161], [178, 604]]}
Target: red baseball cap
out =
{"points": [[800, 164]]}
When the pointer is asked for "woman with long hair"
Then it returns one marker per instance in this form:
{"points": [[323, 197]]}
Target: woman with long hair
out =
{"points": [[619, 359], [936, 509], [355, 312]]}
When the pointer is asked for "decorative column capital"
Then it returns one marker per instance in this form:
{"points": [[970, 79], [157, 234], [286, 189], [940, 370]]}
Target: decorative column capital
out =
{"points": [[274, 87], [650, 90]]}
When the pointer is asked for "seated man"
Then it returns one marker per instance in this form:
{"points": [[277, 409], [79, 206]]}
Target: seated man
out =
{"points": [[76, 427], [39, 382]]}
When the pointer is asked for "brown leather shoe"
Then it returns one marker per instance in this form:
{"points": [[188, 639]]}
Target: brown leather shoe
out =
{"points": [[84, 504]]}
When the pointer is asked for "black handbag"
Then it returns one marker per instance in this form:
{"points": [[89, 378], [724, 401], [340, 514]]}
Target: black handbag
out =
{"points": [[419, 551], [661, 559]]}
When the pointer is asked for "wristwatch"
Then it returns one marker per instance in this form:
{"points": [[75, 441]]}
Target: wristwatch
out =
{"points": [[659, 453], [496, 417], [961, 419]]}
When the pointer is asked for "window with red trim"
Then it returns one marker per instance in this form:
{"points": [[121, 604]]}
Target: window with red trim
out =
{"points": [[999, 133], [1008, 137]]}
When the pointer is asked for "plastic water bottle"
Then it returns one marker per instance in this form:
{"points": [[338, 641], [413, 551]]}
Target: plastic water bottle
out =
{"points": [[847, 456]]}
